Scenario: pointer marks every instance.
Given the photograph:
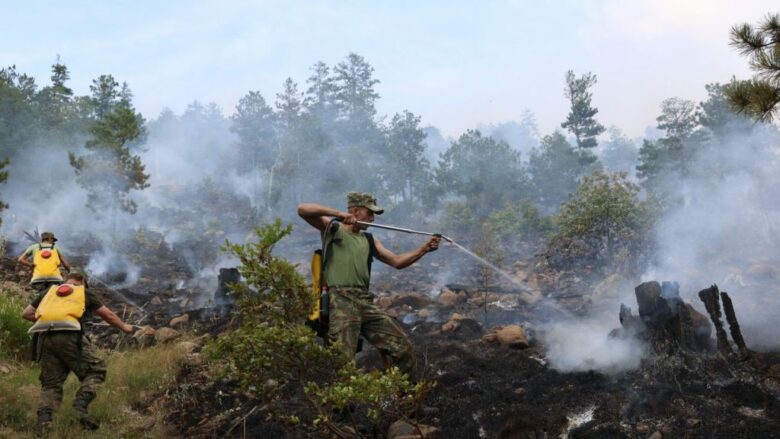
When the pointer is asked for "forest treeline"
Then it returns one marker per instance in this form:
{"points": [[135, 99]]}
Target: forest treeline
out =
{"points": [[318, 140]]}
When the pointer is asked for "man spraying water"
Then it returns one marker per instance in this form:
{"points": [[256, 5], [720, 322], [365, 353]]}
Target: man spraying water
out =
{"points": [[347, 255]]}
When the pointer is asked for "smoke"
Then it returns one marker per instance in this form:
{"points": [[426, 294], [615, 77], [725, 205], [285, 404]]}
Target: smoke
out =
{"points": [[112, 268], [727, 229], [577, 345]]}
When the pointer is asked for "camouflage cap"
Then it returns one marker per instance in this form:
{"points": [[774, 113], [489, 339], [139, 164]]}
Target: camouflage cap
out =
{"points": [[48, 236], [363, 199]]}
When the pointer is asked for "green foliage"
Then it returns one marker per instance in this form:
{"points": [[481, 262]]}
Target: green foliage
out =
{"points": [[758, 97], [408, 169], [604, 223], [581, 120], [253, 123], [554, 168], [522, 223], [109, 171], [274, 352], [620, 154], [486, 172], [14, 340]]}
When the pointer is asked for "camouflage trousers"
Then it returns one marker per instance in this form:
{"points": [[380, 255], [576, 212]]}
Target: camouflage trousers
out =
{"points": [[353, 313], [58, 354], [44, 285]]}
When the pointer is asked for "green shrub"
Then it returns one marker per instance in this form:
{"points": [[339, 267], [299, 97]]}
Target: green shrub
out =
{"points": [[14, 340], [604, 225], [303, 383]]}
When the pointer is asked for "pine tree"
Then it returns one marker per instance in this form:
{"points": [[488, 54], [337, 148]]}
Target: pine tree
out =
{"points": [[109, 170], [253, 123], [554, 168], [581, 121], [354, 87], [758, 97], [407, 165]]}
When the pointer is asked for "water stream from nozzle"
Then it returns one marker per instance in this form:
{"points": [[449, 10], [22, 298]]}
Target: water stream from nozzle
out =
{"points": [[504, 275]]}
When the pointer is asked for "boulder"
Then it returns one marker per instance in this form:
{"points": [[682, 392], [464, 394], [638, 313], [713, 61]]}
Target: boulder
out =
{"points": [[531, 297], [179, 321], [413, 300], [452, 324], [449, 298], [187, 347], [144, 336], [384, 302], [426, 313], [403, 430], [165, 335], [512, 336]]}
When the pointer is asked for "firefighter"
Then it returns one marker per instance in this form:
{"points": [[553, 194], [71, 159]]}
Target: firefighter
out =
{"points": [[347, 253], [45, 259], [62, 348]]}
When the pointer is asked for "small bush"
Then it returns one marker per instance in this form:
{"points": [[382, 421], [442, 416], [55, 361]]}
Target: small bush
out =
{"points": [[604, 225], [14, 340]]}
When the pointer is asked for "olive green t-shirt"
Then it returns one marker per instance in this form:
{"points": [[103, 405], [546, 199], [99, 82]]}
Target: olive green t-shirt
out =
{"points": [[346, 263]]}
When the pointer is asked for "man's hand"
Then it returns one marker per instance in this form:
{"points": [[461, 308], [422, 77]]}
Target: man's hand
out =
{"points": [[347, 218], [127, 329], [433, 244]]}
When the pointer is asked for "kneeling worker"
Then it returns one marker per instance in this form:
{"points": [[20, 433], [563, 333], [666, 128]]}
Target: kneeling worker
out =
{"points": [[62, 348]]}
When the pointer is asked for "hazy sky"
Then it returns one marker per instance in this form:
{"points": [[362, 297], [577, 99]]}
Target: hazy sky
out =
{"points": [[455, 63]]}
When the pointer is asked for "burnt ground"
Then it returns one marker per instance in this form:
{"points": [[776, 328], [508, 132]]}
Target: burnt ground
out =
{"points": [[490, 391], [482, 389]]}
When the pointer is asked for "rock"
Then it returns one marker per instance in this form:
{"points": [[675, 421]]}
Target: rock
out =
{"points": [[193, 360], [531, 297], [520, 391], [156, 301], [179, 321], [4, 369], [384, 302], [452, 324], [480, 297], [449, 298], [692, 423], [403, 430], [187, 347], [164, 335], [425, 313], [656, 435], [144, 336], [414, 300], [642, 428], [512, 336]]}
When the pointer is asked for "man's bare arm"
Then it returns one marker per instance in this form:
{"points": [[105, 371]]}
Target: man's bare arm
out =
{"points": [[23, 260], [64, 263], [112, 319], [29, 313], [405, 259], [319, 216]]}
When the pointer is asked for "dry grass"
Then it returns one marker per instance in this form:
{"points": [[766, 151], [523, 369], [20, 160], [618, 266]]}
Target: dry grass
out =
{"points": [[134, 379]]}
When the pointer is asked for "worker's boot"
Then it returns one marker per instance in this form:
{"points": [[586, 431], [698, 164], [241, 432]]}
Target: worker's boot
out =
{"points": [[80, 406], [45, 420]]}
